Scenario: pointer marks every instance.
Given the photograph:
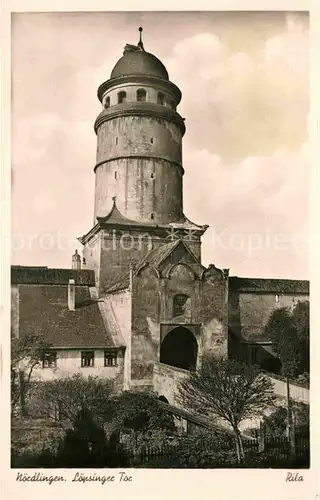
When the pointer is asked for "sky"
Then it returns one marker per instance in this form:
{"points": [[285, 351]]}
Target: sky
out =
{"points": [[245, 100]]}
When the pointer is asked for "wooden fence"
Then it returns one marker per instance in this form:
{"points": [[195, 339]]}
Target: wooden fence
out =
{"points": [[276, 448]]}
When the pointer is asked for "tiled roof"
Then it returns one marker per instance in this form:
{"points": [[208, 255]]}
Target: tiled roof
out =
{"points": [[158, 255], [122, 283], [260, 285], [43, 310], [116, 217], [47, 276]]}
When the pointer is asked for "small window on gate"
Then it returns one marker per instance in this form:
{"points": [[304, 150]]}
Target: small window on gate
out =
{"points": [[179, 304], [110, 358], [87, 359]]}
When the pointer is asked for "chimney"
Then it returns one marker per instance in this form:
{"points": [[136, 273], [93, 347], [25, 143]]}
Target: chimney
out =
{"points": [[72, 295], [76, 261]]}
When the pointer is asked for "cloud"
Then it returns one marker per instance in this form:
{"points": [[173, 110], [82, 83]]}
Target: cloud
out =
{"points": [[246, 102], [256, 199]]}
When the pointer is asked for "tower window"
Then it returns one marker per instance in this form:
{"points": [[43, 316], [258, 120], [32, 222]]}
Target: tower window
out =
{"points": [[116, 140], [122, 97], [152, 176], [152, 216], [141, 95], [115, 174], [151, 140], [277, 298], [160, 99], [107, 102]]}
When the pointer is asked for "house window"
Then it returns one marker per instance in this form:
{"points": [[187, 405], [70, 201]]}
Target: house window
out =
{"points": [[141, 95], [110, 358], [160, 99], [107, 102], [122, 96], [179, 304], [49, 360], [87, 359]]}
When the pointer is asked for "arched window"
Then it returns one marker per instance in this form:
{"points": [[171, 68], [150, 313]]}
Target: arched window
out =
{"points": [[122, 97], [160, 99], [107, 102], [179, 304], [141, 95]]}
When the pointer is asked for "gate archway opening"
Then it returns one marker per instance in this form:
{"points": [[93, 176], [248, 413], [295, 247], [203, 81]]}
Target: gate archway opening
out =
{"points": [[163, 399], [179, 348]]}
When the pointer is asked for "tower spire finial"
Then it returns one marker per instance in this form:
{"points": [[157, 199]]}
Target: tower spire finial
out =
{"points": [[140, 44]]}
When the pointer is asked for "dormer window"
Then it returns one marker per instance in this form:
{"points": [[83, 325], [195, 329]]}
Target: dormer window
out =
{"points": [[141, 95], [161, 99], [122, 97], [107, 102]]}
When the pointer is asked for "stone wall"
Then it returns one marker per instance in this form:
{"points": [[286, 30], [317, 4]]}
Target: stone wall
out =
{"points": [[249, 312], [166, 380], [153, 314], [121, 308], [138, 161]]}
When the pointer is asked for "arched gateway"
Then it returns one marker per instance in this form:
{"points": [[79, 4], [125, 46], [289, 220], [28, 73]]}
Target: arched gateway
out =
{"points": [[179, 348]]}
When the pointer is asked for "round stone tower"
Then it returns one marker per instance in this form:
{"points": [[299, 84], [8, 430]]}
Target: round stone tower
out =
{"points": [[139, 141]]}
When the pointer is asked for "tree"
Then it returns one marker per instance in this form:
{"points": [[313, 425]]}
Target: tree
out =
{"points": [[301, 321], [140, 412], [62, 399], [227, 390], [86, 445], [26, 354], [289, 333]]}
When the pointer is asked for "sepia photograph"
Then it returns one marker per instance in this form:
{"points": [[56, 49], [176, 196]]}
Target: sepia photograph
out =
{"points": [[159, 241]]}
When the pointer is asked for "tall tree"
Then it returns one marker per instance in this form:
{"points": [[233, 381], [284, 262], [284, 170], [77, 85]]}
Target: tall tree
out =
{"points": [[289, 333], [227, 390], [301, 321], [26, 354]]}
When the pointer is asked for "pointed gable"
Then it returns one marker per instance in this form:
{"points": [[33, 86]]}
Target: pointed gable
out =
{"points": [[164, 258]]}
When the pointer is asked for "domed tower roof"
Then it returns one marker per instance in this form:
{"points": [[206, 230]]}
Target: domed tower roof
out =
{"points": [[139, 62], [136, 61]]}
